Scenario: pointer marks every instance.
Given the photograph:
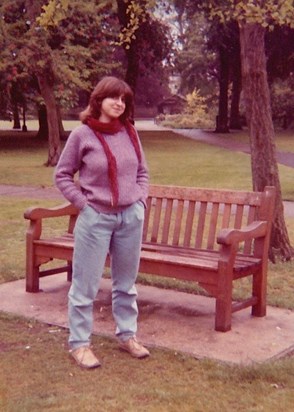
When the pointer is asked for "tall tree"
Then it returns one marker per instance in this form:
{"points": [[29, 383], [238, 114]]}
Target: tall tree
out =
{"points": [[16, 96], [65, 47], [210, 51], [236, 78], [253, 17], [280, 60], [194, 60], [143, 37], [44, 70], [224, 39]]}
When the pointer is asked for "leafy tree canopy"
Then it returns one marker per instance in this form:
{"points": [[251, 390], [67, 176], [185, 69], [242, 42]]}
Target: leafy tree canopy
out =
{"points": [[267, 13], [74, 52]]}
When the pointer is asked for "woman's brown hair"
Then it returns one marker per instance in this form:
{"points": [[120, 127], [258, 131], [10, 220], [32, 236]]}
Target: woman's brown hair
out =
{"points": [[108, 86]]}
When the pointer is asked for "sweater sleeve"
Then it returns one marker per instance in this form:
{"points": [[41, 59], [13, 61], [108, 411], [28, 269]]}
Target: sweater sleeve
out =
{"points": [[68, 165]]}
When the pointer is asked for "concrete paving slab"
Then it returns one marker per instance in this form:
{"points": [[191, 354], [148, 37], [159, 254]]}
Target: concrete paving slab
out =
{"points": [[168, 319]]}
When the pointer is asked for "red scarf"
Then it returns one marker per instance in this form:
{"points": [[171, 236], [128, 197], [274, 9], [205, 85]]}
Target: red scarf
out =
{"points": [[111, 128]]}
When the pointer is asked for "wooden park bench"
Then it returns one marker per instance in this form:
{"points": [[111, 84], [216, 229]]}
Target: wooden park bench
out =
{"points": [[209, 236]]}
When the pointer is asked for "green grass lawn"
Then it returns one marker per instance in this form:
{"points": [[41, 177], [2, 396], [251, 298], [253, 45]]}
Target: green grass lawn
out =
{"points": [[284, 139], [172, 159], [36, 374]]}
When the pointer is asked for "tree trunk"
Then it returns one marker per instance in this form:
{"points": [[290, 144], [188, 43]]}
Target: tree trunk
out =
{"points": [[235, 121], [132, 72], [62, 133], [54, 148], [222, 118], [16, 118], [133, 66], [43, 125], [15, 100], [24, 126], [258, 112]]}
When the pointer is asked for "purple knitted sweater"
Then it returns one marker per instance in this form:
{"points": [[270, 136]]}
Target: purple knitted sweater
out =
{"points": [[83, 153]]}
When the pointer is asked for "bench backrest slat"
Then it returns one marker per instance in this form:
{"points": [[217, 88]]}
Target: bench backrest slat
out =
{"points": [[213, 225], [226, 215], [189, 224], [252, 215], [147, 217], [200, 225], [156, 222], [167, 221], [239, 216], [178, 222]]}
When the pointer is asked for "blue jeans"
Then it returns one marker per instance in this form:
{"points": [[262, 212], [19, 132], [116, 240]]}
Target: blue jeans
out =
{"points": [[96, 234]]}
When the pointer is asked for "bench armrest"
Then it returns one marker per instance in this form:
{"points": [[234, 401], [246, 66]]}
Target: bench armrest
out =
{"points": [[254, 230], [36, 213]]}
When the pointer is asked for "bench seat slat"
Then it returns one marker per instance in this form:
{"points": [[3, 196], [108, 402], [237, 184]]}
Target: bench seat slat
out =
{"points": [[202, 260]]}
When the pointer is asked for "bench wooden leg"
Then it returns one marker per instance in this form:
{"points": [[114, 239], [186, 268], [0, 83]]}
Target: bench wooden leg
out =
{"points": [[223, 308], [32, 279], [223, 305], [223, 315], [259, 290], [32, 269]]}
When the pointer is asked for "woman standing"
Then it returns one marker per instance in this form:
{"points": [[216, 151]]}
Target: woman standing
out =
{"points": [[106, 153]]}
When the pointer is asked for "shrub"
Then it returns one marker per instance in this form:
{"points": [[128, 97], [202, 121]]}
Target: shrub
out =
{"points": [[195, 116]]}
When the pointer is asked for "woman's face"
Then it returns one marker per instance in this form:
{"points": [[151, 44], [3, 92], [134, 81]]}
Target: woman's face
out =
{"points": [[112, 108]]}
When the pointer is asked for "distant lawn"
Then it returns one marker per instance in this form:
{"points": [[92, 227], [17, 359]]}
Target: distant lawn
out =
{"points": [[284, 138], [172, 160]]}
